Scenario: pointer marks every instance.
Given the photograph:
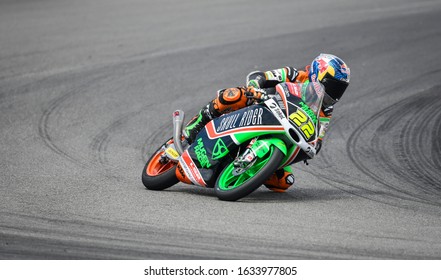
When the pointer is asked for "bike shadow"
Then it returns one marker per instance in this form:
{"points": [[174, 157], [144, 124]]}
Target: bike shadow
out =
{"points": [[295, 194], [264, 195]]}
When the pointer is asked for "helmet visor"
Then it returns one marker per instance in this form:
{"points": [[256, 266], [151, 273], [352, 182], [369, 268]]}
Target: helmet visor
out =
{"points": [[333, 87]]}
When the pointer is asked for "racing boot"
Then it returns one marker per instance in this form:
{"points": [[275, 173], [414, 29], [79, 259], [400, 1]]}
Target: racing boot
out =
{"points": [[197, 123], [281, 180]]}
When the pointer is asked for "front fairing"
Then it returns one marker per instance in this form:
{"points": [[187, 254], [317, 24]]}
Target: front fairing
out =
{"points": [[302, 103]]}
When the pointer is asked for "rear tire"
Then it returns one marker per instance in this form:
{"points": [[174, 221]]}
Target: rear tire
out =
{"points": [[157, 176], [231, 188]]}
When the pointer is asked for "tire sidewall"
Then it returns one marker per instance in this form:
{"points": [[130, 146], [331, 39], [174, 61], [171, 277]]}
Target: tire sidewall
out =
{"points": [[161, 181], [253, 183]]}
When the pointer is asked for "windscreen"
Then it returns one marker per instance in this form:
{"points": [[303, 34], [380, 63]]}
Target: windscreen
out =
{"points": [[312, 95]]}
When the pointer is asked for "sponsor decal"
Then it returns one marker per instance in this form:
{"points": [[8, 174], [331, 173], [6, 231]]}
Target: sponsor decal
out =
{"points": [[172, 153], [295, 89], [186, 169], [201, 154], [308, 111], [282, 91], [250, 117], [228, 122], [191, 170], [219, 150], [181, 171], [280, 102], [276, 109]]}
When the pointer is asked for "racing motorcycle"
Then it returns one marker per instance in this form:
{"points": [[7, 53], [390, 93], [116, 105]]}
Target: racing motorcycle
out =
{"points": [[237, 152]]}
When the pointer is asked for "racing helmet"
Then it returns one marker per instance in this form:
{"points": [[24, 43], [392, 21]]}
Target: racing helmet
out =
{"points": [[333, 73]]}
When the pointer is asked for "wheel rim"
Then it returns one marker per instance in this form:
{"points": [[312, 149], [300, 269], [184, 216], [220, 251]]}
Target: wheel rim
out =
{"points": [[155, 167], [228, 181]]}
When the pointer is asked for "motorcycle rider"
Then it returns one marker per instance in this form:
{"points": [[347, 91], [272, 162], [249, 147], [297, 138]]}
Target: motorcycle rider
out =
{"points": [[328, 69]]}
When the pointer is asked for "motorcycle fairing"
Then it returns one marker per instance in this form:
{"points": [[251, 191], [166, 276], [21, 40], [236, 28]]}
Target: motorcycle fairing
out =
{"points": [[190, 170], [222, 135]]}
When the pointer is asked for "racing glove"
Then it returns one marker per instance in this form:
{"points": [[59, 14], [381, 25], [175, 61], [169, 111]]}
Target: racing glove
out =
{"points": [[255, 95]]}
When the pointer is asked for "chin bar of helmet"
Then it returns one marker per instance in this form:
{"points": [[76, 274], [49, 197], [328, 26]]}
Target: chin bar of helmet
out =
{"points": [[290, 129], [178, 120]]}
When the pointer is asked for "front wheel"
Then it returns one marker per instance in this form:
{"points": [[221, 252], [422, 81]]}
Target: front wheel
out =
{"points": [[231, 187], [159, 174]]}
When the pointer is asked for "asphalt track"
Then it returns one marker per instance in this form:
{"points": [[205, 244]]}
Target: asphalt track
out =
{"points": [[87, 89]]}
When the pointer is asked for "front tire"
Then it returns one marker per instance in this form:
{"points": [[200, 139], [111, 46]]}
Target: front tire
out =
{"points": [[231, 188], [159, 176]]}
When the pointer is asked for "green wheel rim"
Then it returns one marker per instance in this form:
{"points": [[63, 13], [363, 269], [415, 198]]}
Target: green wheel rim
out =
{"points": [[228, 181]]}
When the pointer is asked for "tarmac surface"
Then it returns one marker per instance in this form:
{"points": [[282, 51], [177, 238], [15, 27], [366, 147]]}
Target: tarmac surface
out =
{"points": [[87, 90]]}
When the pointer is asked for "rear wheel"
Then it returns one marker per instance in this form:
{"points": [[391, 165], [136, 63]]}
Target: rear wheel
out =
{"points": [[233, 187], [159, 171]]}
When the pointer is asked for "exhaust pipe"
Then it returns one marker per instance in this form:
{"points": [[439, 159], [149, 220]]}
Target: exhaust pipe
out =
{"points": [[178, 120]]}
